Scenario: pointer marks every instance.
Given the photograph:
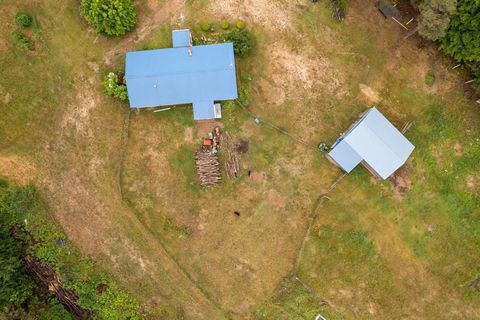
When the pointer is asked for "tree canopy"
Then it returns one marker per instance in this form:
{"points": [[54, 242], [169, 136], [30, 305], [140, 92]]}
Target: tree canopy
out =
{"points": [[435, 17], [110, 17], [462, 39]]}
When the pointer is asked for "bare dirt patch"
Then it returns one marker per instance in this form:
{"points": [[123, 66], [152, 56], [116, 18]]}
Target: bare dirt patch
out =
{"points": [[156, 13], [298, 72], [458, 149], [277, 201], [206, 126], [79, 111], [401, 181], [17, 169], [188, 134], [371, 95], [270, 14], [257, 176]]}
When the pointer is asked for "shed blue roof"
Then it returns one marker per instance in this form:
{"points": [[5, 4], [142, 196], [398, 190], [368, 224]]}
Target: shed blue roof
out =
{"points": [[376, 141], [174, 76]]}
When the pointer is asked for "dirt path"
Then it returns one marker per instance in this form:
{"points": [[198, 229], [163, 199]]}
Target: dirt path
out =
{"points": [[157, 13]]}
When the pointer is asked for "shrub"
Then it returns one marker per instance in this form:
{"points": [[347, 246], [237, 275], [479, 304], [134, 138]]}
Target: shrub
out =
{"points": [[3, 183], [225, 25], [113, 87], [23, 40], [206, 27], [243, 41], [429, 78], [23, 19], [462, 39], [110, 17], [435, 17], [240, 24]]}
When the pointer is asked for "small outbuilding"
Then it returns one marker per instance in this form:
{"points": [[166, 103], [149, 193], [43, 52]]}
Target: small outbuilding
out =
{"points": [[184, 74], [374, 142]]}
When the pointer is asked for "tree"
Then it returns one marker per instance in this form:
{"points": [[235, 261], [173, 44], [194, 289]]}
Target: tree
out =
{"points": [[16, 287], [435, 17], [110, 17], [462, 40], [243, 41]]}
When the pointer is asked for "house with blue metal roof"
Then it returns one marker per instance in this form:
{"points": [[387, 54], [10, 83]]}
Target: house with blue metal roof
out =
{"points": [[374, 142], [183, 74]]}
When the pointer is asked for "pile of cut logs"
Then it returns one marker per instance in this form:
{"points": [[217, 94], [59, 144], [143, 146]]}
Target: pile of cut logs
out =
{"points": [[208, 168], [232, 164]]}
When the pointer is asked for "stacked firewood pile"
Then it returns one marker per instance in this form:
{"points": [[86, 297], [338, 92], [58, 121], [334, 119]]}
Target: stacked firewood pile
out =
{"points": [[232, 164], [45, 276], [206, 160], [208, 168]]}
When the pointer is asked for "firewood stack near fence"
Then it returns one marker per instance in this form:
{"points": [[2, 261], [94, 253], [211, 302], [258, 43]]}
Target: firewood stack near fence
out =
{"points": [[208, 168], [209, 164], [206, 160], [232, 164]]}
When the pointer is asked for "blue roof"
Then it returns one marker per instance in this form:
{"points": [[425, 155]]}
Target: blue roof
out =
{"points": [[376, 141], [181, 38], [203, 110], [179, 75]]}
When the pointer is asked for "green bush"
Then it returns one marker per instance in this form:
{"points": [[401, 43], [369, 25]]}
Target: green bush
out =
{"points": [[110, 17], [225, 25], [113, 87], [23, 19], [3, 183], [243, 41], [429, 78], [23, 40], [206, 27], [240, 24]]}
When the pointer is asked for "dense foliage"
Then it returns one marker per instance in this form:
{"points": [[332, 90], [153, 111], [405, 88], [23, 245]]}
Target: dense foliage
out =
{"points": [[243, 41], [22, 40], [435, 17], [462, 40], [24, 231], [110, 17], [20, 298], [115, 88], [23, 19]]}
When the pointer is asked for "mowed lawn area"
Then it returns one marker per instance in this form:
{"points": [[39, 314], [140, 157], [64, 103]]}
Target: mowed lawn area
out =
{"points": [[123, 184]]}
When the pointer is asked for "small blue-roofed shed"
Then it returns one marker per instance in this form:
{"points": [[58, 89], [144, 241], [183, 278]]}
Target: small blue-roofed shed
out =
{"points": [[374, 142], [184, 74]]}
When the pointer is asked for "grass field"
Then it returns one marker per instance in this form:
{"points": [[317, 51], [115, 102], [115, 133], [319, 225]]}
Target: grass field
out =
{"points": [[122, 185]]}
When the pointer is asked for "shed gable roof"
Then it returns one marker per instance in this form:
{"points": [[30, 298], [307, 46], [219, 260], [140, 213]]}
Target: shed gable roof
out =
{"points": [[377, 142]]}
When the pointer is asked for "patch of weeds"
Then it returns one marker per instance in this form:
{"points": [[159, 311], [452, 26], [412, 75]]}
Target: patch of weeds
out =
{"points": [[3, 183], [22, 40], [429, 78], [294, 300], [170, 225], [23, 20], [245, 90]]}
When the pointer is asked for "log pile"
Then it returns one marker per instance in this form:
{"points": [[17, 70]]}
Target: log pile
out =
{"points": [[232, 164], [46, 277], [208, 168]]}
